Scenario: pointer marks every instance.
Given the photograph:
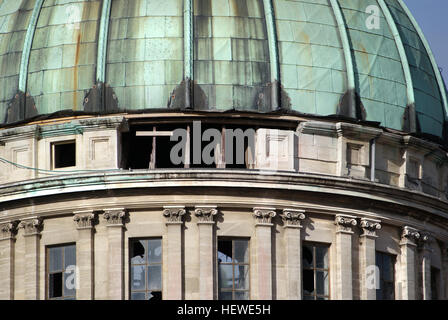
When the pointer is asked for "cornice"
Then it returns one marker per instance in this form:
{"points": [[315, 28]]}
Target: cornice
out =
{"points": [[89, 182]]}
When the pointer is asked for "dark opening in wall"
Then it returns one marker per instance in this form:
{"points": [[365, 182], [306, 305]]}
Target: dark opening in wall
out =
{"points": [[64, 154], [241, 140], [136, 150]]}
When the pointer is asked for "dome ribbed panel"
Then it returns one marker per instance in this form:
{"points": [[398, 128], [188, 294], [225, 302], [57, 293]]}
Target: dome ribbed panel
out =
{"points": [[63, 55], [231, 53], [379, 75], [13, 26], [313, 70], [428, 101], [145, 52]]}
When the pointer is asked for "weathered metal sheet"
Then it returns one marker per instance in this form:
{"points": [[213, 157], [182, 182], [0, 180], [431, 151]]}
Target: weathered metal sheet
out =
{"points": [[428, 102], [379, 74], [231, 57], [63, 55], [313, 67], [145, 56], [14, 21]]}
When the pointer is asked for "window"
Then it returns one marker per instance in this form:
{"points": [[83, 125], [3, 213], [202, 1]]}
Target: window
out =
{"points": [[61, 272], [64, 154], [316, 271], [146, 269], [435, 282], [386, 264], [233, 269]]}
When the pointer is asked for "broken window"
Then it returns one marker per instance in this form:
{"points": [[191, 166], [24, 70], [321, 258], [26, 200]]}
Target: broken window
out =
{"points": [[61, 272], [316, 269], [386, 264], [146, 269], [233, 269], [190, 145], [64, 154]]}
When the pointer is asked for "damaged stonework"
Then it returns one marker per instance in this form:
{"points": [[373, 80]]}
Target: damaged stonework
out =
{"points": [[21, 107], [188, 95], [101, 98], [409, 120], [273, 97], [351, 106]]}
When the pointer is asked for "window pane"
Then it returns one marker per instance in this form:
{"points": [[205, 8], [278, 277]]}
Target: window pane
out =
{"points": [[55, 259], [242, 295], [138, 296], [308, 297], [322, 283], [155, 277], [225, 296], [55, 285], [138, 278], [307, 257], [321, 257], [225, 276], [69, 284], [155, 251], [70, 256], [224, 251], [138, 252], [308, 281], [242, 277], [241, 251]]}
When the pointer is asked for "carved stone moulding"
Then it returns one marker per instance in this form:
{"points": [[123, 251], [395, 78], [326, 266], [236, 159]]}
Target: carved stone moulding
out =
{"points": [[263, 216], [8, 230], [115, 217], [31, 226], [174, 214], [206, 214], [345, 223], [84, 219], [410, 236], [369, 227], [293, 217]]}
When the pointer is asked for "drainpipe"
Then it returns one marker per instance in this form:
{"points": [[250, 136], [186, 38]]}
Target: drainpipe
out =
{"points": [[372, 159]]}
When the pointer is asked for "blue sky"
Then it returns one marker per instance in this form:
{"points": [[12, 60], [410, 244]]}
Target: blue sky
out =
{"points": [[432, 17]]}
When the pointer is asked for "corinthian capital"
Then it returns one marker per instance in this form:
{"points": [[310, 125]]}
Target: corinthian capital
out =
{"points": [[84, 219], [206, 214], [263, 216], [174, 214], [369, 227], [31, 226], [345, 223], [8, 230], [115, 217], [410, 235], [293, 217]]}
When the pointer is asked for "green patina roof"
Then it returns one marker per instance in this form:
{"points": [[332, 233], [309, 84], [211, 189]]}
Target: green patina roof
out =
{"points": [[311, 56]]}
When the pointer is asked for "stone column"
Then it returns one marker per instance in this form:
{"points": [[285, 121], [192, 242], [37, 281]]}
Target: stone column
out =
{"points": [[409, 237], [425, 265], [292, 221], [206, 224], [367, 253], [263, 252], [32, 229], [174, 223], [85, 254], [344, 274], [8, 232], [115, 219]]}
